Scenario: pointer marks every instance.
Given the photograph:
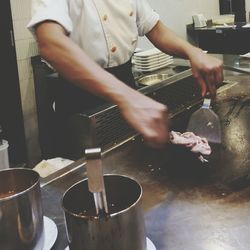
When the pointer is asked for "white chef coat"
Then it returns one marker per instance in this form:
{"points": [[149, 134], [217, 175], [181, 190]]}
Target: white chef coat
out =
{"points": [[107, 30]]}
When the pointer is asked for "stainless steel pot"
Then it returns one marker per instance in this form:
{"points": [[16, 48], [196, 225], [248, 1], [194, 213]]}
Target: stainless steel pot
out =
{"points": [[122, 229], [21, 216]]}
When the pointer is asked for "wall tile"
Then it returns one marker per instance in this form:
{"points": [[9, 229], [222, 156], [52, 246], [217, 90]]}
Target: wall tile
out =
{"points": [[30, 120], [20, 30], [32, 139], [24, 69], [28, 96], [21, 9], [176, 14], [25, 49]]}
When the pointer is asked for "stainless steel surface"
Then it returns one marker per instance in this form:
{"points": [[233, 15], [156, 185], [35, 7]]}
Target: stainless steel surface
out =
{"points": [[177, 76], [21, 215], [95, 179], [188, 96], [237, 69], [123, 228], [187, 205], [153, 79]]}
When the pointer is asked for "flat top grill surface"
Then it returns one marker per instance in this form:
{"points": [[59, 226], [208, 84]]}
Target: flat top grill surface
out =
{"points": [[187, 205]]}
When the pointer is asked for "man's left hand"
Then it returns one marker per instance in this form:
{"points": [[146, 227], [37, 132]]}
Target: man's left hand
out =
{"points": [[207, 70]]}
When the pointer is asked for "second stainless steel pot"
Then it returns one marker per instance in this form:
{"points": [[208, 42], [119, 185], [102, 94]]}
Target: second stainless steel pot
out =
{"points": [[122, 229]]}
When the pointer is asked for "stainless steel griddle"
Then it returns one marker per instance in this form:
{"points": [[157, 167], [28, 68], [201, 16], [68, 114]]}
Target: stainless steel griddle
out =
{"points": [[187, 205]]}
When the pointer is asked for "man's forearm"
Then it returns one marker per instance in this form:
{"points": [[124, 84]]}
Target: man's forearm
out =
{"points": [[69, 60], [207, 70], [167, 41]]}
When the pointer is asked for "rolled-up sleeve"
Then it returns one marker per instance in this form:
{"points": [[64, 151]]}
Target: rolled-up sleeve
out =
{"points": [[54, 10], [146, 17]]}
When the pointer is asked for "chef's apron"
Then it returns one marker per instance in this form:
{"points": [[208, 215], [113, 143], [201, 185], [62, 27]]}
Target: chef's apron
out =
{"points": [[71, 99]]}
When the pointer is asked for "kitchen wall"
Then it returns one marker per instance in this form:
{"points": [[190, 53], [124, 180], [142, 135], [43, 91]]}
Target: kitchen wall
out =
{"points": [[25, 48], [247, 10], [175, 13]]}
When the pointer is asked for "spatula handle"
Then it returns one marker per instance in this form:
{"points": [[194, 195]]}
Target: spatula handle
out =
{"points": [[206, 103], [95, 178]]}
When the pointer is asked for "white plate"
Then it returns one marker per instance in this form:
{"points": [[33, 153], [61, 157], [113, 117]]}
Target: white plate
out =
{"points": [[149, 52], [50, 233], [246, 25], [158, 66], [149, 58], [150, 245], [151, 62], [247, 55]]}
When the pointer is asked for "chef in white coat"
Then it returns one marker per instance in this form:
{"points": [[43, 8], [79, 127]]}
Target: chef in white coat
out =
{"points": [[90, 43]]}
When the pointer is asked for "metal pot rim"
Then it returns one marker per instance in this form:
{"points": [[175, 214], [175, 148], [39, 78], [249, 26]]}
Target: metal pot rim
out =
{"points": [[25, 190], [110, 215]]}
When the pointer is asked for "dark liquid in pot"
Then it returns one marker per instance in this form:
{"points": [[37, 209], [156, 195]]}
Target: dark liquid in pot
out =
{"points": [[6, 194], [121, 192], [92, 212]]}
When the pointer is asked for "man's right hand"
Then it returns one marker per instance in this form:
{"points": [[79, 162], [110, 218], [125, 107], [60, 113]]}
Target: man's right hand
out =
{"points": [[147, 117]]}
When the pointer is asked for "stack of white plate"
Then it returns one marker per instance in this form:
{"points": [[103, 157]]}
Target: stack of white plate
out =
{"points": [[151, 60]]}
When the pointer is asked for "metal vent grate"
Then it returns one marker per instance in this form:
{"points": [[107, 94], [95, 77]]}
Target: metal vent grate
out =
{"points": [[111, 128], [179, 95], [108, 128]]}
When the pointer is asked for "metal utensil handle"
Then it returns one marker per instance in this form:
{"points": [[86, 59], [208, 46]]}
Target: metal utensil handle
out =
{"points": [[95, 179], [206, 103]]}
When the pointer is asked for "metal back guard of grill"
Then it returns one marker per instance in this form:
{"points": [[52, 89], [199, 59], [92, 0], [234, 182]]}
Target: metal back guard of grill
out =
{"points": [[107, 128]]}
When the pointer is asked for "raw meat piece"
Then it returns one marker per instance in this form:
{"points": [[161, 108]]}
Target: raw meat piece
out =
{"points": [[195, 143]]}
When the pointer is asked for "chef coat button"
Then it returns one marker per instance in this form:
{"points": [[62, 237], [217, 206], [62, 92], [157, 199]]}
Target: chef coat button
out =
{"points": [[105, 17], [113, 49], [134, 41], [131, 13]]}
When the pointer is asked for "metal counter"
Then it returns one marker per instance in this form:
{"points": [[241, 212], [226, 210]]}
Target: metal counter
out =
{"points": [[188, 205]]}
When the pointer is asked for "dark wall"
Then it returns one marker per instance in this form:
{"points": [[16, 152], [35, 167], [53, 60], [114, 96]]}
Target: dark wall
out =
{"points": [[11, 116], [236, 7]]}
